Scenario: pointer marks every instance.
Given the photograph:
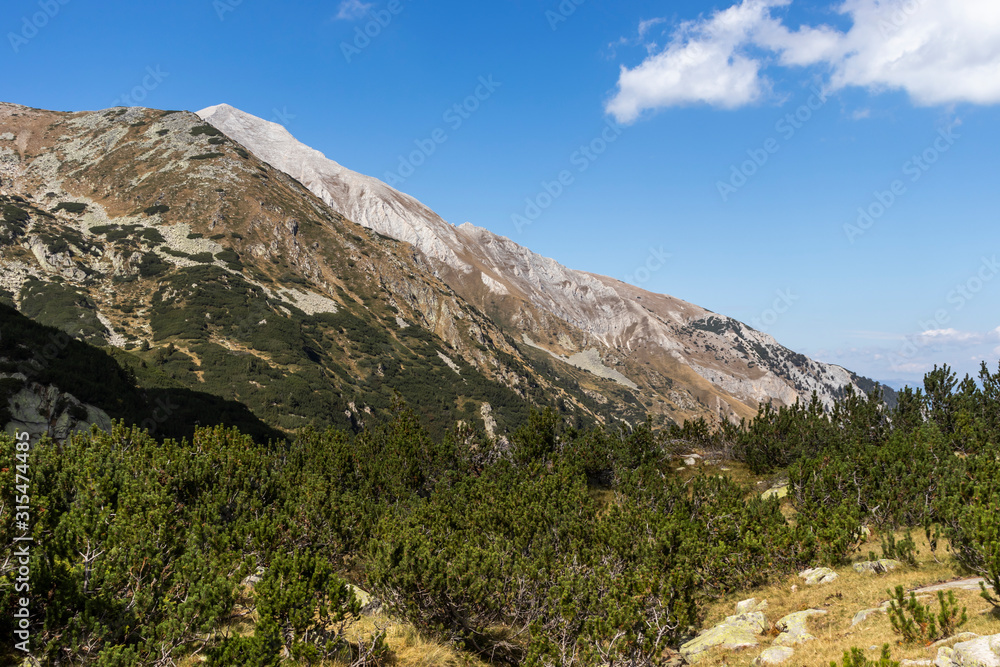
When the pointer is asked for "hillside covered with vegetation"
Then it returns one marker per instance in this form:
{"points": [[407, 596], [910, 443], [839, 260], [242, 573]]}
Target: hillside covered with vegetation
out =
{"points": [[567, 547]]}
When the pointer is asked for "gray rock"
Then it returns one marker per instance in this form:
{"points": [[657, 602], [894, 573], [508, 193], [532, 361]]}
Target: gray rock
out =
{"points": [[945, 657], [254, 578], [776, 491], [864, 614], [980, 652], [774, 656], [914, 663], [819, 575], [736, 632], [751, 605], [44, 410], [794, 629], [949, 641], [877, 566], [960, 585], [369, 605]]}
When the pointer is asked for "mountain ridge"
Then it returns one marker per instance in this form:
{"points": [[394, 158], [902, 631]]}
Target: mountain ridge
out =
{"points": [[586, 311]]}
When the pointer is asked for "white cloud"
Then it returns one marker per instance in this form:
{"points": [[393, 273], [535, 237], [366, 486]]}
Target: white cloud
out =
{"points": [[702, 64], [938, 51], [951, 337], [644, 26], [352, 10], [909, 357]]}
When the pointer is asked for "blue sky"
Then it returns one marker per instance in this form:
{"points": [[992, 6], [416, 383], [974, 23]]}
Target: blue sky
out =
{"points": [[741, 140]]}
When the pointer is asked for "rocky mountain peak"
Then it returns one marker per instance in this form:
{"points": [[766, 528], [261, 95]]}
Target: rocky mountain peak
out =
{"points": [[687, 360]]}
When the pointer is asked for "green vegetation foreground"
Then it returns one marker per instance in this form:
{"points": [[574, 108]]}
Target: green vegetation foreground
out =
{"points": [[565, 548]]}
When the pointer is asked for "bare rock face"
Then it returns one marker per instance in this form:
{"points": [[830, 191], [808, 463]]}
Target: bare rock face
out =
{"points": [[47, 411], [684, 360]]}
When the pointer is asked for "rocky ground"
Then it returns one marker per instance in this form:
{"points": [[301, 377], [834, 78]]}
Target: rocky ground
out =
{"points": [[812, 618]]}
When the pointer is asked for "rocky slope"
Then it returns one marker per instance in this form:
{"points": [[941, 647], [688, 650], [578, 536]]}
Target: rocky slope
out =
{"points": [[682, 360], [153, 234]]}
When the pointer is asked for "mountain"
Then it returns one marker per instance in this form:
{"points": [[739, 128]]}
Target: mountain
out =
{"points": [[227, 259], [682, 360], [152, 235]]}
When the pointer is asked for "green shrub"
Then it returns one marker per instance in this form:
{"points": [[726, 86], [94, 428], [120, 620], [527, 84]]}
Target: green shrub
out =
{"points": [[856, 658], [206, 156], [303, 604], [215, 141], [151, 266], [14, 214], [207, 130], [203, 257], [153, 210], [70, 207], [904, 550], [915, 622]]}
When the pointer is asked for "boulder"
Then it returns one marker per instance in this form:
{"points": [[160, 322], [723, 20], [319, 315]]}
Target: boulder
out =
{"points": [[877, 566], [776, 491], [950, 641], [864, 614], [960, 585], [369, 605], [818, 575], [945, 657], [979, 652], [751, 605], [774, 656], [735, 633], [44, 410], [793, 627]]}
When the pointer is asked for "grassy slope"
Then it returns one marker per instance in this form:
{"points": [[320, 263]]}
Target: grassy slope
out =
{"points": [[846, 596]]}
